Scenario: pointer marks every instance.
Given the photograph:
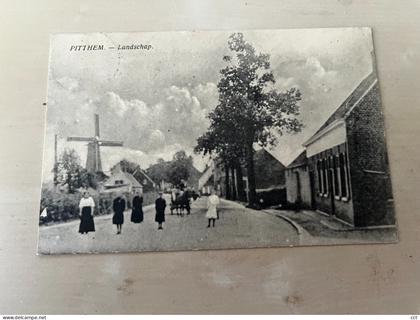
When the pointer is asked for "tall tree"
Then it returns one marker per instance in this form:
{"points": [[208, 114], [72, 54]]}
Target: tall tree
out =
{"points": [[179, 168], [250, 110], [220, 141], [158, 171], [70, 172]]}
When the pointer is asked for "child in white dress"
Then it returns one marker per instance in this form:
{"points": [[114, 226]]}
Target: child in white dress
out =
{"points": [[212, 203]]}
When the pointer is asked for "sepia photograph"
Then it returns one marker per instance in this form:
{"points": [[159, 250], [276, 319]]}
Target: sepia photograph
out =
{"points": [[169, 141]]}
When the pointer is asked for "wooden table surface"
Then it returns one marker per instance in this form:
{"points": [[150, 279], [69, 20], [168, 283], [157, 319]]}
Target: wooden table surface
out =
{"points": [[331, 279]]}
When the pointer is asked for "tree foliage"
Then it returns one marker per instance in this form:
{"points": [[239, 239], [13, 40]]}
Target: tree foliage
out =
{"points": [[249, 109], [179, 168], [70, 173], [158, 171], [248, 102]]}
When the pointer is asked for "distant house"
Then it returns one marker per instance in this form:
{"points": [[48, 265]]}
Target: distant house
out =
{"points": [[122, 182], [206, 180], [193, 178], [298, 182], [347, 161], [269, 171], [269, 175], [148, 183]]}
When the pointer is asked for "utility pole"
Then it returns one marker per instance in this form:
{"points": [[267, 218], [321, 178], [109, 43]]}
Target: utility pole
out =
{"points": [[55, 161]]}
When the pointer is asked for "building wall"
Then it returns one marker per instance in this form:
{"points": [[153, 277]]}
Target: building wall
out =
{"points": [[332, 200], [293, 177], [207, 174], [193, 178], [372, 194]]}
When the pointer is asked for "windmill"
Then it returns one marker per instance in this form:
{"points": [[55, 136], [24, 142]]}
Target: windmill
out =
{"points": [[93, 161]]}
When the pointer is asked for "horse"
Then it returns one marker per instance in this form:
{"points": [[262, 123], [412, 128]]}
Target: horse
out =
{"points": [[180, 202]]}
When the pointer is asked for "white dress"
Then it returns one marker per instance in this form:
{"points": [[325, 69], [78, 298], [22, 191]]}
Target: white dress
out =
{"points": [[87, 202], [212, 203]]}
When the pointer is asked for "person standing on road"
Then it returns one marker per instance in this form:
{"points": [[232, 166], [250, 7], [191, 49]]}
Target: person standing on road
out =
{"points": [[137, 210], [160, 205], [187, 199], [212, 203], [195, 195], [119, 207], [86, 207]]}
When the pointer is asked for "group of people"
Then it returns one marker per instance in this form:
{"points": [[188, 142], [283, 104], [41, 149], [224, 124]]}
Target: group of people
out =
{"points": [[119, 206], [180, 200], [87, 207]]}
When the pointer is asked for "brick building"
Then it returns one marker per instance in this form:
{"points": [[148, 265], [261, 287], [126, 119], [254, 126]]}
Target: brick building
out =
{"points": [[348, 164]]}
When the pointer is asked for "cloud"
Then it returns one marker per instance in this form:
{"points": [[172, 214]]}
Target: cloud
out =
{"points": [[148, 132], [207, 94], [111, 156], [157, 102], [323, 90]]}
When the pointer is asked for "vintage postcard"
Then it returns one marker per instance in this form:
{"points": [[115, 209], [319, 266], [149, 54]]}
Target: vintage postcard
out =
{"points": [[165, 141]]}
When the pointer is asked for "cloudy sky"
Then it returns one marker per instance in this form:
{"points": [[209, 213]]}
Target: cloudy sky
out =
{"points": [[156, 100]]}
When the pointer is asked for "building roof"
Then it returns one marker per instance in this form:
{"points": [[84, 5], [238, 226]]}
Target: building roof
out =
{"points": [[122, 175], [263, 154], [194, 176], [146, 176], [299, 161], [133, 180], [348, 105]]}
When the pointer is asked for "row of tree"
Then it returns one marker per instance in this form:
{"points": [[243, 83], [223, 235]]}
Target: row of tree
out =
{"points": [[249, 111], [173, 171], [69, 172]]}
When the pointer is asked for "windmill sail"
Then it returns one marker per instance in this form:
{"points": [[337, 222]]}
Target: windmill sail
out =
{"points": [[93, 161], [79, 139]]}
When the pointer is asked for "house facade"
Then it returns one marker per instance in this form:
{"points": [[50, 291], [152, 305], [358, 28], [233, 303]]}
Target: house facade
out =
{"points": [[120, 181], [298, 183], [347, 161]]}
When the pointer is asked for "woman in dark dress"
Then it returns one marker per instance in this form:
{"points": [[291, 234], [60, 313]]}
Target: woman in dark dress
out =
{"points": [[137, 210], [160, 205], [86, 206], [118, 206]]}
